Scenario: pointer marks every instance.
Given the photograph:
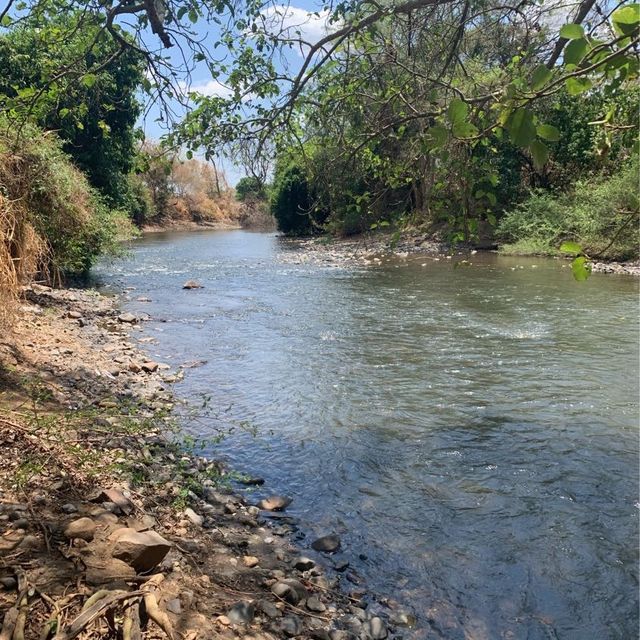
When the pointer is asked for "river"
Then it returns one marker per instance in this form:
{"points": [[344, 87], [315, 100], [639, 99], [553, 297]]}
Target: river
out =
{"points": [[471, 433]]}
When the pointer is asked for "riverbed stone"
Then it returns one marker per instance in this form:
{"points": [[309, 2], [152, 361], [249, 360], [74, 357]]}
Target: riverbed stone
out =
{"points": [[150, 366], [302, 563], [127, 318], [192, 284], [115, 497], [269, 609], [314, 604], [194, 517], [242, 613], [83, 528], [376, 628], [290, 626], [275, 503], [143, 550], [327, 544]]}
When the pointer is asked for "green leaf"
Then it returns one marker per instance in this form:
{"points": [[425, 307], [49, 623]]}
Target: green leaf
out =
{"points": [[575, 51], [189, 155], [89, 79], [548, 132], [464, 129], [581, 268], [540, 77], [627, 15], [457, 111], [436, 137], [521, 127], [576, 86], [572, 31], [539, 153], [571, 247]]}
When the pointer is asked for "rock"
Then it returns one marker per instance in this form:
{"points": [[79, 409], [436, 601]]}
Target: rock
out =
{"points": [[143, 299], [241, 613], [402, 618], [194, 517], [291, 626], [174, 606], [21, 523], [223, 620], [116, 497], [106, 570], [320, 634], [341, 565], [9, 583], [149, 367], [250, 561], [127, 318], [251, 481], [269, 609], [314, 604], [83, 528], [192, 284], [376, 629], [340, 634], [327, 544], [293, 591], [275, 503], [143, 550], [303, 563], [352, 624], [75, 315]]}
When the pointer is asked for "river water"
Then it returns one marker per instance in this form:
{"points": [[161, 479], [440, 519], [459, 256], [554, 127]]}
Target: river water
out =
{"points": [[471, 433]]}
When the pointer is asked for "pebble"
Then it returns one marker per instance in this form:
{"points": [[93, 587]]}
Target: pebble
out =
{"points": [[275, 503], [291, 626], [174, 606], [314, 604], [376, 628], [83, 528], [250, 561], [303, 563], [241, 613], [269, 609], [127, 318]]}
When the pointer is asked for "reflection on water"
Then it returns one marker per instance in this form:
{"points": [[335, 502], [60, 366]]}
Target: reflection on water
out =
{"points": [[472, 432]]}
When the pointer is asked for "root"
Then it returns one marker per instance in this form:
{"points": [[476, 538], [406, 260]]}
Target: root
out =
{"points": [[131, 623], [154, 612]]}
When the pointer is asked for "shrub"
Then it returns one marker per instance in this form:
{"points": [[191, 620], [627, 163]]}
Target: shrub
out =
{"points": [[600, 214], [51, 221], [250, 188]]}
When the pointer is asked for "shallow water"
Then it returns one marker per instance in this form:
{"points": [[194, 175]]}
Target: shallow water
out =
{"points": [[471, 432]]}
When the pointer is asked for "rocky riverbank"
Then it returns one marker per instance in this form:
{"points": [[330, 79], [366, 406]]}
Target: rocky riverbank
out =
{"points": [[372, 249], [111, 526]]}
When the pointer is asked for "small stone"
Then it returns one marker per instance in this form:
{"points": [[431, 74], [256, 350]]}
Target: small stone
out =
{"points": [[134, 367], [116, 497], [327, 544], [250, 561], [251, 481], [83, 528], [269, 609], [192, 284], [75, 315], [303, 563], [9, 583], [340, 634], [127, 318], [402, 618], [223, 620], [314, 604], [194, 517], [275, 503], [174, 606], [149, 367], [21, 523], [291, 626], [241, 613], [320, 634], [376, 628], [341, 565]]}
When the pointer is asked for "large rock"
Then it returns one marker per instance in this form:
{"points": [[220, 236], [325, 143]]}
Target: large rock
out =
{"points": [[143, 550], [84, 528], [327, 544], [101, 570], [127, 318], [275, 503]]}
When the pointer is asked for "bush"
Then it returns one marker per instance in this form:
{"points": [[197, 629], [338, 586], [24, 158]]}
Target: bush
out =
{"points": [[250, 188], [56, 218], [601, 215]]}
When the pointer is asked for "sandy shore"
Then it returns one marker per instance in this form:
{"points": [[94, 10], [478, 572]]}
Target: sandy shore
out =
{"points": [[105, 512]]}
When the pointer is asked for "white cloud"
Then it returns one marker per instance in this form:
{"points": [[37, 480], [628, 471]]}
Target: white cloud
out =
{"points": [[296, 23], [208, 88]]}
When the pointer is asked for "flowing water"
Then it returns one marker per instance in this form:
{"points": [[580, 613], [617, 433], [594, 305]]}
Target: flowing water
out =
{"points": [[471, 433]]}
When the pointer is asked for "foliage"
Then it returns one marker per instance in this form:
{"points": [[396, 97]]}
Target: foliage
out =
{"points": [[250, 188], [601, 216], [93, 113], [57, 218]]}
